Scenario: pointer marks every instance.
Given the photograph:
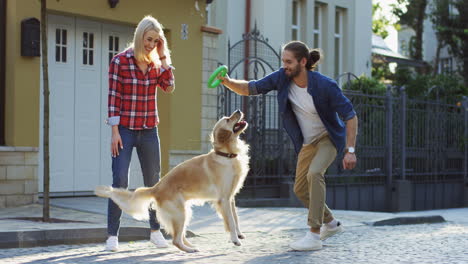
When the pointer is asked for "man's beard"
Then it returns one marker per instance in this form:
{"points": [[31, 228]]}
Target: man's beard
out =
{"points": [[294, 72]]}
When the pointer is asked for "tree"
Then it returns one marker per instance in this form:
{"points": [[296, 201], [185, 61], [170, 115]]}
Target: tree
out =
{"points": [[451, 28], [45, 78], [380, 23], [437, 16], [413, 16]]}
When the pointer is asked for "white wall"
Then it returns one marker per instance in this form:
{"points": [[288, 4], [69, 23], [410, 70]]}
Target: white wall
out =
{"points": [[361, 56], [274, 27]]}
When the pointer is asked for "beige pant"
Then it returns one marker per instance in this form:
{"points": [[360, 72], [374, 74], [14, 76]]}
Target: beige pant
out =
{"points": [[309, 187]]}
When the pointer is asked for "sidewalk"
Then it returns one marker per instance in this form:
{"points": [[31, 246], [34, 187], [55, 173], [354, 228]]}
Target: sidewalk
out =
{"points": [[92, 212]]}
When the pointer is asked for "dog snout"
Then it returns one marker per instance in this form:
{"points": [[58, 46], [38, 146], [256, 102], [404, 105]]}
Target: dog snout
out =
{"points": [[238, 113]]}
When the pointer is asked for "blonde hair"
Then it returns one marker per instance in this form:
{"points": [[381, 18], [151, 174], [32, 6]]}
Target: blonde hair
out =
{"points": [[146, 24]]}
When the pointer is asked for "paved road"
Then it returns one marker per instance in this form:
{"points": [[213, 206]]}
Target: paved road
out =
{"points": [[426, 243]]}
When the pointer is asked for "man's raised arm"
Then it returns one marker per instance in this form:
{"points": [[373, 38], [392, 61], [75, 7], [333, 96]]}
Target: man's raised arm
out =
{"points": [[240, 87]]}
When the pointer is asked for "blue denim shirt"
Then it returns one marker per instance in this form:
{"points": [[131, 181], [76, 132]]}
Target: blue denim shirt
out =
{"points": [[332, 106]]}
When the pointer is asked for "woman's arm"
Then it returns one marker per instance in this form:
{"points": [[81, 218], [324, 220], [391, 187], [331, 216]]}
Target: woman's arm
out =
{"points": [[115, 92], [166, 80]]}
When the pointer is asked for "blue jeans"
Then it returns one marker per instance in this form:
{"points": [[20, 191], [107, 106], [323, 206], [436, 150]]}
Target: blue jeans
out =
{"points": [[147, 145]]}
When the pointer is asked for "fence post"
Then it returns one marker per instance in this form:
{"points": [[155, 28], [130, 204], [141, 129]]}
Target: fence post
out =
{"points": [[402, 189], [389, 145], [465, 141], [403, 133]]}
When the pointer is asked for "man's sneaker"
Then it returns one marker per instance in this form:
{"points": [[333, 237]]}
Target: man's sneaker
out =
{"points": [[327, 231], [112, 243], [308, 242], [158, 239]]}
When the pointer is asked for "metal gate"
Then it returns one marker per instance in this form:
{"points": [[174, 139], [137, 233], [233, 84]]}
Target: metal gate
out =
{"points": [[252, 58]]}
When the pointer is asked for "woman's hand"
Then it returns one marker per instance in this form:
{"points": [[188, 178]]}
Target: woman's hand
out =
{"points": [[161, 47], [116, 141]]}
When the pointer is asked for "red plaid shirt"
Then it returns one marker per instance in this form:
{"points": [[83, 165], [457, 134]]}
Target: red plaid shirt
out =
{"points": [[132, 94]]}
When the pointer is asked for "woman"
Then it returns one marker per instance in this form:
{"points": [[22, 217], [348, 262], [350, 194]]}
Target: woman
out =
{"points": [[134, 76]]}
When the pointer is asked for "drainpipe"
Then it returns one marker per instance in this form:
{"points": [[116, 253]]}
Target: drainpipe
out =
{"points": [[247, 43], [246, 52], [3, 21]]}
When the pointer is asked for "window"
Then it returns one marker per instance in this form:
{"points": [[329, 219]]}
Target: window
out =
{"points": [[88, 48], [338, 42], [446, 65], [113, 46], [208, 19], [317, 26], [60, 45], [317, 30], [453, 10], [404, 48], [296, 18]]}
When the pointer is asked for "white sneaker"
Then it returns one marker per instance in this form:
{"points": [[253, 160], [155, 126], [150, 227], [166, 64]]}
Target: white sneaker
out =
{"points": [[309, 242], [112, 243], [158, 239], [327, 231]]}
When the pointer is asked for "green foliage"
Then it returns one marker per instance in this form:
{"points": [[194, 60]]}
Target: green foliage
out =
{"points": [[379, 23], [450, 20], [412, 15], [381, 71], [367, 85], [448, 87]]}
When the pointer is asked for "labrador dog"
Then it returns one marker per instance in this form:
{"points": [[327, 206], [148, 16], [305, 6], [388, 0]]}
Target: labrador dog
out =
{"points": [[214, 177]]}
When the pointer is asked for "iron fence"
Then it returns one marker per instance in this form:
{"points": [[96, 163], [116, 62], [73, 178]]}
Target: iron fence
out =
{"points": [[420, 144]]}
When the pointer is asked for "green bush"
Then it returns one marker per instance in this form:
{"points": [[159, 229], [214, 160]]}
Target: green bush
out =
{"points": [[447, 87], [367, 85]]}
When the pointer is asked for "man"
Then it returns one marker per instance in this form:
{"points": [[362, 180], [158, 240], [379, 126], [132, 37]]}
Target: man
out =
{"points": [[311, 106]]}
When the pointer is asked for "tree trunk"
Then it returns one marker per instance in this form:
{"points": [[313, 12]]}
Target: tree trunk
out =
{"points": [[435, 70], [419, 32], [45, 78], [464, 63]]}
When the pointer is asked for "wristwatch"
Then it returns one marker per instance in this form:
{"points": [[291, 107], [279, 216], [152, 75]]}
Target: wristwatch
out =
{"points": [[350, 150]]}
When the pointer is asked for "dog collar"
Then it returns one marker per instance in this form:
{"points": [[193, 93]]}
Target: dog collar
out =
{"points": [[227, 155]]}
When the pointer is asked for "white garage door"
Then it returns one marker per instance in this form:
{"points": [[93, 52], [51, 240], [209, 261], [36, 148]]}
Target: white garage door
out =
{"points": [[79, 54]]}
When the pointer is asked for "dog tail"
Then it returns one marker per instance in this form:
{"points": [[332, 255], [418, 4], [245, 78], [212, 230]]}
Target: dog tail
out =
{"points": [[103, 191], [134, 203]]}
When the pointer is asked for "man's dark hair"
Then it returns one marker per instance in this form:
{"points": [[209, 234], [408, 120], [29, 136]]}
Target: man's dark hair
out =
{"points": [[300, 50]]}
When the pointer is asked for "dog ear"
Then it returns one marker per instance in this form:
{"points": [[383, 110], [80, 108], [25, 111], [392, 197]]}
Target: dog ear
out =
{"points": [[223, 135]]}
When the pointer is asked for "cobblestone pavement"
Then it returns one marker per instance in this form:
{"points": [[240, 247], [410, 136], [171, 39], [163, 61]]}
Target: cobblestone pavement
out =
{"points": [[427, 243]]}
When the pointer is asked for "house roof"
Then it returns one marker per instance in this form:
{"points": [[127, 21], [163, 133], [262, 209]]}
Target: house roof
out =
{"points": [[382, 53]]}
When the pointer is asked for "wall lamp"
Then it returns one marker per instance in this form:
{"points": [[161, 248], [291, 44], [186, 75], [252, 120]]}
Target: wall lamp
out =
{"points": [[113, 3]]}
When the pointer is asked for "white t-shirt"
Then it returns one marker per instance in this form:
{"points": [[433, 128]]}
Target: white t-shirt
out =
{"points": [[303, 106]]}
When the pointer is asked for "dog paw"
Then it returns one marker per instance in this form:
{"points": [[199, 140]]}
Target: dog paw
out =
{"points": [[237, 243], [241, 236], [192, 250]]}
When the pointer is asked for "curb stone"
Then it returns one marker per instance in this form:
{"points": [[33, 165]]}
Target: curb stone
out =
{"points": [[409, 220], [25, 239]]}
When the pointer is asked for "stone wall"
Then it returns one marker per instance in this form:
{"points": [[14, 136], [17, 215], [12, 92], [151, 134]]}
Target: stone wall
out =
{"points": [[209, 96], [18, 176]]}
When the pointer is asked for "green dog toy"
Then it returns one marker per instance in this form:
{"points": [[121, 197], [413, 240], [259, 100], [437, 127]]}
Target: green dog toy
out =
{"points": [[213, 82]]}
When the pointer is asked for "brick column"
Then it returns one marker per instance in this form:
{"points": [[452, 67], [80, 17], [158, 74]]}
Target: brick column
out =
{"points": [[209, 96], [18, 176]]}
